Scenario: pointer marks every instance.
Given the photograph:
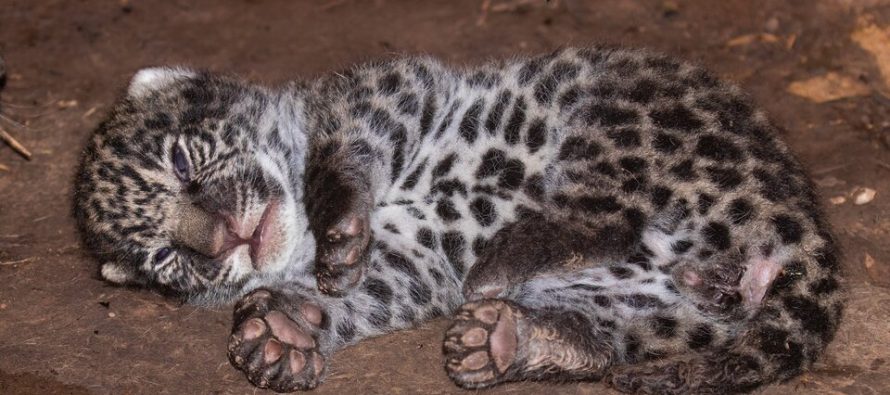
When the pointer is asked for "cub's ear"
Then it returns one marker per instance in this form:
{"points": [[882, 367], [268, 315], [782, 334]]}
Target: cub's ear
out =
{"points": [[113, 273], [153, 78]]}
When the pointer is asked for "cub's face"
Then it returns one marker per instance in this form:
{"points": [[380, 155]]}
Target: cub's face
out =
{"points": [[192, 186]]}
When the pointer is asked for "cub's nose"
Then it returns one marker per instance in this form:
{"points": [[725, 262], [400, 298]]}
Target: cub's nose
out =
{"points": [[202, 231]]}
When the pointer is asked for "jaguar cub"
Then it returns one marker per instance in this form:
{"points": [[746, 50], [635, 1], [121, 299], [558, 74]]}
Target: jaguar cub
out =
{"points": [[588, 214]]}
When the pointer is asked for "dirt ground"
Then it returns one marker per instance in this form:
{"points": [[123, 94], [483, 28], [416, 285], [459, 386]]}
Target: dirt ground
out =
{"points": [[820, 67]]}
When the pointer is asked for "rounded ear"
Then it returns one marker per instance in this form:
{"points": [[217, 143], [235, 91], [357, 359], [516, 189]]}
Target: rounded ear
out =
{"points": [[112, 272], [153, 78]]}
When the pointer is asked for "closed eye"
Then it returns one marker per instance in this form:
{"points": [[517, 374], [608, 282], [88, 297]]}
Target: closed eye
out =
{"points": [[181, 164], [162, 254]]}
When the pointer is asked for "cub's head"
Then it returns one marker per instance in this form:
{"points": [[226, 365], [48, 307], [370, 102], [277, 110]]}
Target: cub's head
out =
{"points": [[192, 186]]}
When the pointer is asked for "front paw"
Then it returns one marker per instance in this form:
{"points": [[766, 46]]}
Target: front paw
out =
{"points": [[340, 253], [276, 350]]}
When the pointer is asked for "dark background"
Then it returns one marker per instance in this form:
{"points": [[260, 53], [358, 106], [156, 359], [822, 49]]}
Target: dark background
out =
{"points": [[820, 67]]}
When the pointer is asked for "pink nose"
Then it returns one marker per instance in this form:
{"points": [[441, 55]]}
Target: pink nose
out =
{"points": [[236, 232], [228, 240]]}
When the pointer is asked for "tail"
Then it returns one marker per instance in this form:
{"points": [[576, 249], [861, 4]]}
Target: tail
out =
{"points": [[797, 320]]}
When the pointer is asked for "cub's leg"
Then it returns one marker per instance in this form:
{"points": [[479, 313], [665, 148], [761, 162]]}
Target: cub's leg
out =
{"points": [[636, 326], [497, 340], [338, 202], [531, 246], [572, 326], [548, 241], [282, 336]]}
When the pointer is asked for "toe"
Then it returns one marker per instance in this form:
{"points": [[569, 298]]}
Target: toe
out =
{"points": [[311, 313], [355, 226], [272, 351], [241, 343], [317, 364], [252, 329], [288, 331], [297, 362], [259, 297], [353, 256]]}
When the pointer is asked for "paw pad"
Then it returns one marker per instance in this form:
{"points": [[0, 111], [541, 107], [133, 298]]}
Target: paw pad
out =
{"points": [[274, 350], [340, 253], [481, 345]]}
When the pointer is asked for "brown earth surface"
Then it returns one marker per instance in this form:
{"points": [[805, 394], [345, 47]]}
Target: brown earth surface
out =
{"points": [[820, 67]]}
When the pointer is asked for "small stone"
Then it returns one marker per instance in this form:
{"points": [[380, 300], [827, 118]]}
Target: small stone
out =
{"points": [[771, 25], [748, 39], [670, 9], [67, 103], [878, 272], [837, 200], [111, 315], [863, 196]]}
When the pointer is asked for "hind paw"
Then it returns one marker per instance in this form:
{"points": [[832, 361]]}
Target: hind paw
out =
{"points": [[728, 289], [274, 350], [481, 345]]}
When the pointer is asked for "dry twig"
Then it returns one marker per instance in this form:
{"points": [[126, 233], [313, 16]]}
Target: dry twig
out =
{"points": [[14, 144], [10, 263]]}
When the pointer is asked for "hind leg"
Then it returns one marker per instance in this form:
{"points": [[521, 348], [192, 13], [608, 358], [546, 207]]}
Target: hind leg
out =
{"points": [[498, 340], [531, 246], [572, 326], [544, 242]]}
